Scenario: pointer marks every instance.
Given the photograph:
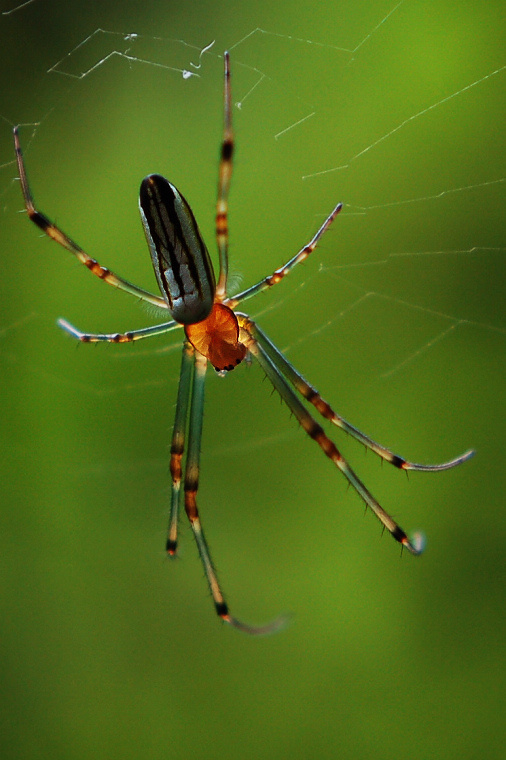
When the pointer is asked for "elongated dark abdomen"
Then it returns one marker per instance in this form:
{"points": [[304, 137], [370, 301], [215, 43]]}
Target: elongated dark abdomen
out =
{"points": [[180, 258]]}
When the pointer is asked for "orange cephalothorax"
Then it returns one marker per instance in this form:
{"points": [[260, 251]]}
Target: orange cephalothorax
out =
{"points": [[217, 338]]}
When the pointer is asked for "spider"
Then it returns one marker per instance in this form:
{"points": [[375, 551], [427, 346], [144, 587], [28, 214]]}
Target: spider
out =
{"points": [[214, 332]]}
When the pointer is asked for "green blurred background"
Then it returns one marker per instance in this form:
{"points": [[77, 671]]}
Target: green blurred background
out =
{"points": [[110, 651]]}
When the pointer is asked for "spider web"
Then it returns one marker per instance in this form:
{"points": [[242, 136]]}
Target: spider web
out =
{"points": [[379, 114], [395, 109]]}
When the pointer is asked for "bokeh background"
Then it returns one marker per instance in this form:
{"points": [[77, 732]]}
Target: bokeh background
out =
{"points": [[110, 651]]}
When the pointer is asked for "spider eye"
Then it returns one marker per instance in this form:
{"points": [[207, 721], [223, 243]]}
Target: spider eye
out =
{"points": [[180, 258]]}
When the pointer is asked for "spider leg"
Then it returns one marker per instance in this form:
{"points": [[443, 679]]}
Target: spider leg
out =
{"points": [[178, 441], [311, 394], [280, 273], [54, 232], [316, 432], [191, 488], [225, 174], [128, 337]]}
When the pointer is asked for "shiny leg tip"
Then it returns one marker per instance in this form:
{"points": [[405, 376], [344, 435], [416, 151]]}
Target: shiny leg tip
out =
{"points": [[415, 544], [262, 630]]}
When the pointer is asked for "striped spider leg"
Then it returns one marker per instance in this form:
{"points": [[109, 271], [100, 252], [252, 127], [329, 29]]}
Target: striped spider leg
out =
{"points": [[54, 232], [216, 333], [285, 378]]}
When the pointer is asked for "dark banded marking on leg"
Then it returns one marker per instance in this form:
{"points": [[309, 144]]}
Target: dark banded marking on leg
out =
{"points": [[128, 337], [191, 488], [316, 432], [176, 455], [192, 478], [54, 232], [281, 273], [178, 443], [311, 395], [224, 178]]}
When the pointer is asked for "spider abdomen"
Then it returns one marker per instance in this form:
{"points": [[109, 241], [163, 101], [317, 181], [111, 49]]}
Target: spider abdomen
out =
{"points": [[180, 258]]}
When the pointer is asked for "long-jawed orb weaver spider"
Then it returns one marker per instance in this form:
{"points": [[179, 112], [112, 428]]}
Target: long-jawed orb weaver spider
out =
{"points": [[215, 332]]}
